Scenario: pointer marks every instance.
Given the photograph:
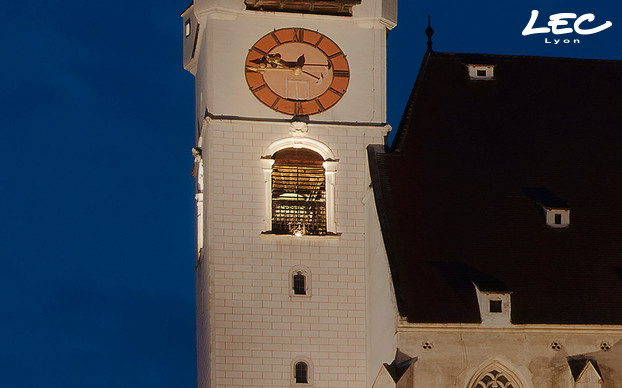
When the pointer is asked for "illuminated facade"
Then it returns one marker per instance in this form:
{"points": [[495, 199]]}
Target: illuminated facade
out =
{"points": [[449, 259], [286, 103]]}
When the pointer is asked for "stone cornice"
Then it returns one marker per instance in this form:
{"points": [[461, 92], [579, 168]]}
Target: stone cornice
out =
{"points": [[404, 327], [323, 7]]}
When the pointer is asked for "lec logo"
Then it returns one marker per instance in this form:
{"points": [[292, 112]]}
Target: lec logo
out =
{"points": [[559, 20]]}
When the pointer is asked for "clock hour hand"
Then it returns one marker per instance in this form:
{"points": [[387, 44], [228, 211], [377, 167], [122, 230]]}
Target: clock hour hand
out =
{"points": [[300, 62], [276, 61], [263, 69]]}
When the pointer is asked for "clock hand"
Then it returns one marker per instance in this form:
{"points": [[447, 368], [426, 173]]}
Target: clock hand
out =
{"points": [[260, 69], [300, 62], [328, 65], [312, 75], [276, 61]]}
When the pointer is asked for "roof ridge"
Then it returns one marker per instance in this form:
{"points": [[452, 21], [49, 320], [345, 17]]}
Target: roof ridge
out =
{"points": [[515, 56], [400, 133]]}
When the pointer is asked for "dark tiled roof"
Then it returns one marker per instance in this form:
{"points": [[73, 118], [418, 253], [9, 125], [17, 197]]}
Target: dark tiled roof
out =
{"points": [[461, 192]]}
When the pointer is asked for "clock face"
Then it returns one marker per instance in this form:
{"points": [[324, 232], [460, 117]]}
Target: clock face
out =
{"points": [[297, 71]]}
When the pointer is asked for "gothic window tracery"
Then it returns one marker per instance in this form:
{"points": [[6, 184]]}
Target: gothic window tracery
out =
{"points": [[494, 379]]}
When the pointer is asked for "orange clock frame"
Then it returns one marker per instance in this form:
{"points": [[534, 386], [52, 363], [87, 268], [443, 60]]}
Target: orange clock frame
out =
{"points": [[264, 59]]}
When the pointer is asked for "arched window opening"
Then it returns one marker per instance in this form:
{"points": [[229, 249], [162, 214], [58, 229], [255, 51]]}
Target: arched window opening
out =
{"points": [[494, 379], [298, 192], [301, 372], [299, 281]]}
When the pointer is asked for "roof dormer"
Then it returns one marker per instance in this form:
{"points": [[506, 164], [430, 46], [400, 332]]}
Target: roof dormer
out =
{"points": [[557, 217], [494, 306], [481, 72], [556, 211]]}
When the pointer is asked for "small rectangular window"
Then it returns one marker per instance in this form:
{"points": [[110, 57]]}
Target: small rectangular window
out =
{"points": [[187, 29], [481, 73], [299, 284], [558, 219], [301, 373], [495, 306]]}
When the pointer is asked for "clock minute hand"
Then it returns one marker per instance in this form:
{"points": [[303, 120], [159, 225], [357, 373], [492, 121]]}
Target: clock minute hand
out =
{"points": [[328, 65], [311, 75]]}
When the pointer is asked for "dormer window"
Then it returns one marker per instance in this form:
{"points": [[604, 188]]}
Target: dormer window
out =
{"points": [[481, 72], [494, 306], [556, 210], [557, 217]]}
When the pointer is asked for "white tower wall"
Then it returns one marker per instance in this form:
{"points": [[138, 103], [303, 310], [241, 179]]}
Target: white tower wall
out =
{"points": [[250, 328]]}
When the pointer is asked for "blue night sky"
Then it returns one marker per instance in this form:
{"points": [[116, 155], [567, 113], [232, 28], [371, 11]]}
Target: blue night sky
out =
{"points": [[97, 232]]}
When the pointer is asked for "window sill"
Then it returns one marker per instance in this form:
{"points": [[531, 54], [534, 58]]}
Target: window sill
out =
{"points": [[301, 296], [270, 235]]}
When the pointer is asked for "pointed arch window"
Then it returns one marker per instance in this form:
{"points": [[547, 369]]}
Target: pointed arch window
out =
{"points": [[495, 375], [495, 379], [298, 192]]}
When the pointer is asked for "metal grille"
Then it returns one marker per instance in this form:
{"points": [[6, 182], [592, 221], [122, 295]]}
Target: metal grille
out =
{"points": [[298, 193]]}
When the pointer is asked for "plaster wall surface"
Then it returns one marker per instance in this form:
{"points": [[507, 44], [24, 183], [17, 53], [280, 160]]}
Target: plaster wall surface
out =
{"points": [[257, 328], [459, 354], [250, 328], [226, 37], [203, 326], [383, 316]]}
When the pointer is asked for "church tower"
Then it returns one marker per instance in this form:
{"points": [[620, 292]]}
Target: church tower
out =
{"points": [[288, 95]]}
